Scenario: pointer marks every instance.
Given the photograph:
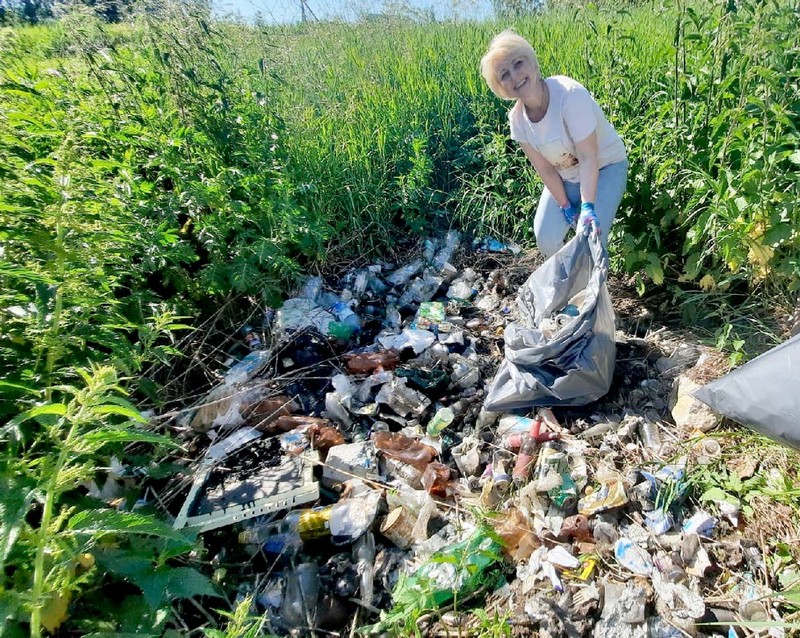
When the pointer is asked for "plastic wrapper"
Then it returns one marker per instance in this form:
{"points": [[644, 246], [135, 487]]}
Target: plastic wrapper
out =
{"points": [[576, 366], [297, 314], [402, 399], [417, 340], [403, 275], [632, 557], [431, 314], [518, 538]]}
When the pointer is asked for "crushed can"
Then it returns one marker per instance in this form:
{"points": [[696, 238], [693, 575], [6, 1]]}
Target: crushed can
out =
{"points": [[251, 338]]}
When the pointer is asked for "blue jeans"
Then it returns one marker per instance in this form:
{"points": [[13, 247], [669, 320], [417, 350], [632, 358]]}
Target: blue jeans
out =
{"points": [[549, 224]]}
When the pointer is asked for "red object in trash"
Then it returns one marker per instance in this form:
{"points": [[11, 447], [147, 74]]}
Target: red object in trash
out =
{"points": [[404, 449], [527, 451], [436, 479], [368, 362]]}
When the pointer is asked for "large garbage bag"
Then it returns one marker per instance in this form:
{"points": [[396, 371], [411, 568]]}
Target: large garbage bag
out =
{"points": [[762, 394], [574, 366]]}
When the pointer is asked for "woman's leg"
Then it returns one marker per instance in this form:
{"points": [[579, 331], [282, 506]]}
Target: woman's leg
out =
{"points": [[611, 184], [549, 224]]}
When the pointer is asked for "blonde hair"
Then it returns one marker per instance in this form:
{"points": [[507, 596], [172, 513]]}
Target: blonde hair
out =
{"points": [[504, 45]]}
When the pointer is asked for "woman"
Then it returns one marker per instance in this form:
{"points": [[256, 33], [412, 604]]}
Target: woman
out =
{"points": [[563, 132]]}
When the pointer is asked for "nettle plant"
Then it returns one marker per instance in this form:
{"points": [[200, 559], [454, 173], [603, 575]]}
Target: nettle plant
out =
{"points": [[58, 541]]}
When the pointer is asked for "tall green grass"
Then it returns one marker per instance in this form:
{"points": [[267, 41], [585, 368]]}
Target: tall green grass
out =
{"points": [[705, 96]]}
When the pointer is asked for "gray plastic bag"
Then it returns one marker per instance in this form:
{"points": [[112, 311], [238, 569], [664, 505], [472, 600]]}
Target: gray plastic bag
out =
{"points": [[576, 365], [762, 394]]}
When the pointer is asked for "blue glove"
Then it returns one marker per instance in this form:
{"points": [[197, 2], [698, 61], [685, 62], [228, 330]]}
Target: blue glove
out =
{"points": [[570, 214], [588, 220]]}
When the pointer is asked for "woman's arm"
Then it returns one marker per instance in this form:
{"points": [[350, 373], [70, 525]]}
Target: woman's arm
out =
{"points": [[588, 167], [548, 173]]}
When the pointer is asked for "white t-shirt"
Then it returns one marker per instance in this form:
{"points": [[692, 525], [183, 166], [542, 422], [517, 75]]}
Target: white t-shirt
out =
{"points": [[572, 115]]}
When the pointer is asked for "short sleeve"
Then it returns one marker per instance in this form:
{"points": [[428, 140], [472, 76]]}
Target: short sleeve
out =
{"points": [[516, 133], [578, 113]]}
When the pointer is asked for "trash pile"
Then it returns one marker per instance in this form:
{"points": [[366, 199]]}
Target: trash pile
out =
{"points": [[350, 457]]}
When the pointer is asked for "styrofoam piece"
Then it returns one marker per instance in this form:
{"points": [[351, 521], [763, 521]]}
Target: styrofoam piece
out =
{"points": [[349, 460]]}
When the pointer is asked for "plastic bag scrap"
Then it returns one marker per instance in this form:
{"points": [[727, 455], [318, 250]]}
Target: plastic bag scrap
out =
{"points": [[762, 394], [576, 365]]}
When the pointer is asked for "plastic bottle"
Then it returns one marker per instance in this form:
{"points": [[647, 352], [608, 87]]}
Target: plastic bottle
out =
{"points": [[404, 449], [446, 253], [430, 249], [403, 275], [527, 454], [440, 420], [364, 556], [597, 430], [368, 362], [360, 283], [651, 437], [296, 527], [375, 284], [300, 595], [419, 290], [247, 368]]}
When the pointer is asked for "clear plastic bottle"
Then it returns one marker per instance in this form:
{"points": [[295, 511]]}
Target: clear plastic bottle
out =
{"points": [[300, 595], [451, 242], [403, 275], [650, 435], [364, 556], [430, 249], [360, 283]]}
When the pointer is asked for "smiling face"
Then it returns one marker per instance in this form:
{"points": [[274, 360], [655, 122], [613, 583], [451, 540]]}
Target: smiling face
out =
{"points": [[511, 68], [518, 76]]}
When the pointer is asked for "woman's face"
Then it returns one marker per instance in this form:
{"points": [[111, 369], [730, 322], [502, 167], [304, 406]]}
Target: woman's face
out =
{"points": [[518, 76]]}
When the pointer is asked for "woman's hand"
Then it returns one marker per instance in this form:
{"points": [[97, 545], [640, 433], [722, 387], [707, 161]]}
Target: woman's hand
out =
{"points": [[588, 220], [570, 214]]}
